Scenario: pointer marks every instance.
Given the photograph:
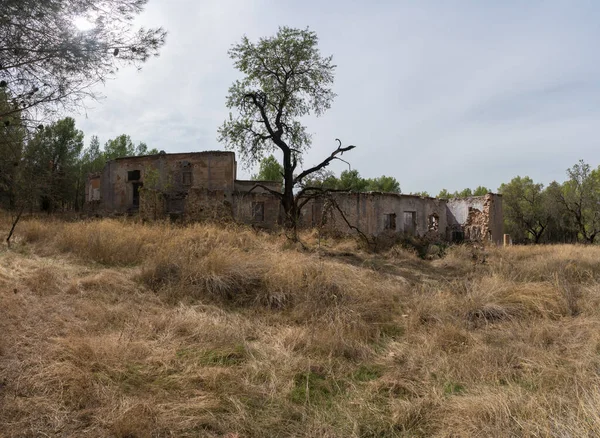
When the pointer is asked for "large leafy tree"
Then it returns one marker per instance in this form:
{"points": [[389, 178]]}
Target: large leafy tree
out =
{"points": [[444, 194], [47, 63], [387, 184], [561, 226], [465, 193], [123, 146], [481, 191], [285, 79], [93, 158], [526, 212], [351, 180], [51, 159], [269, 170], [580, 197], [12, 138], [323, 179]]}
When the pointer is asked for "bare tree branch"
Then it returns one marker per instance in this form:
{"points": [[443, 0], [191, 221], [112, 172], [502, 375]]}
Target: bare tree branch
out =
{"points": [[339, 151]]}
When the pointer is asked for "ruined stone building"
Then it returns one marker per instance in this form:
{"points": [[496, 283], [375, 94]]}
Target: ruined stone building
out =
{"points": [[203, 185]]}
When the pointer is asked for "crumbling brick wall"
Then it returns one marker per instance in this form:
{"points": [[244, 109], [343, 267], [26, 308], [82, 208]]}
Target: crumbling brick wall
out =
{"points": [[476, 218], [175, 173], [208, 205], [153, 204]]}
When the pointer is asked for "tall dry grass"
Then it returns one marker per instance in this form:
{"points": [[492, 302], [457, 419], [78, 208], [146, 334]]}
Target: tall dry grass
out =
{"points": [[112, 328]]}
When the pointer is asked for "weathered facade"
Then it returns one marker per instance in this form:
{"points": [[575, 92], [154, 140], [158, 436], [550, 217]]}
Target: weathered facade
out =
{"points": [[203, 186], [476, 218]]}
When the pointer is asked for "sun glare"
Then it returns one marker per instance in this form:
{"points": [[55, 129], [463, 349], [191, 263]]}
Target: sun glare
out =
{"points": [[83, 24]]}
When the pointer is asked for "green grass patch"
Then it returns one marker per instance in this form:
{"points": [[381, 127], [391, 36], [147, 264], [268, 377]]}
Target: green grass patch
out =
{"points": [[391, 331], [366, 373], [314, 387], [235, 355], [453, 388]]}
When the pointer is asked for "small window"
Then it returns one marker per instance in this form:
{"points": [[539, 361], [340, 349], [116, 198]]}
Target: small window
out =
{"points": [[258, 211], [133, 175], [433, 222], [136, 193], [389, 221], [187, 178]]}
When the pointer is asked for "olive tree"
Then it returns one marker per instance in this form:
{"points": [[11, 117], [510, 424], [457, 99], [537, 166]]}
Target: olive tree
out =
{"points": [[526, 211], [580, 197], [285, 78]]}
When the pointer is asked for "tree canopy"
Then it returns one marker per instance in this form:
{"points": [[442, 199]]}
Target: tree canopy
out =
{"points": [[285, 79], [269, 170], [351, 180], [122, 146], [51, 159], [525, 208], [580, 197], [465, 193], [48, 64]]}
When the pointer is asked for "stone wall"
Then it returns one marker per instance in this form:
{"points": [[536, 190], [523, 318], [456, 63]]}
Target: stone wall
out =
{"points": [[176, 174], [201, 186], [153, 204], [476, 218], [258, 209], [376, 213], [208, 205]]}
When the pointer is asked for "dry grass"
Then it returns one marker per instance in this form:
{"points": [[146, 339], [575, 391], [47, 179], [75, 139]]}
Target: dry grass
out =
{"points": [[111, 328]]}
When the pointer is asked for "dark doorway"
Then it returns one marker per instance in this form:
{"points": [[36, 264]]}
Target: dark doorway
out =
{"points": [[410, 222], [458, 236], [136, 193], [389, 221]]}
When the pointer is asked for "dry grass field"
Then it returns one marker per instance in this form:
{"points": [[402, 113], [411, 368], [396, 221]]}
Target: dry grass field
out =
{"points": [[117, 329]]}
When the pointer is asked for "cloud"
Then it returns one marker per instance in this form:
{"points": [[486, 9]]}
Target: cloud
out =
{"points": [[438, 95]]}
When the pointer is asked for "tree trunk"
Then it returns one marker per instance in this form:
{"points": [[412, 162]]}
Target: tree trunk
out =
{"points": [[590, 239], [12, 229], [287, 201]]}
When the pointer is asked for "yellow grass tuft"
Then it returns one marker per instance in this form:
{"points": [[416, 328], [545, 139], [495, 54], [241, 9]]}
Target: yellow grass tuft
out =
{"points": [[115, 328]]}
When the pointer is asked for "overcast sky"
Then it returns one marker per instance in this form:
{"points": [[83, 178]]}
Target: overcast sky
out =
{"points": [[446, 94]]}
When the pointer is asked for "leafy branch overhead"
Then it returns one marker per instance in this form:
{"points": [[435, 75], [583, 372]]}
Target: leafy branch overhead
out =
{"points": [[48, 64]]}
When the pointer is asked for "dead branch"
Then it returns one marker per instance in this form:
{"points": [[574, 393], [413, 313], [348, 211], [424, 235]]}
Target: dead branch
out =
{"points": [[334, 155], [273, 192], [352, 227]]}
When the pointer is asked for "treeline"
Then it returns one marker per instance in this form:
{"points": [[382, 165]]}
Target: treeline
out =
{"points": [[479, 191], [567, 212], [445, 194], [46, 169], [271, 170]]}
